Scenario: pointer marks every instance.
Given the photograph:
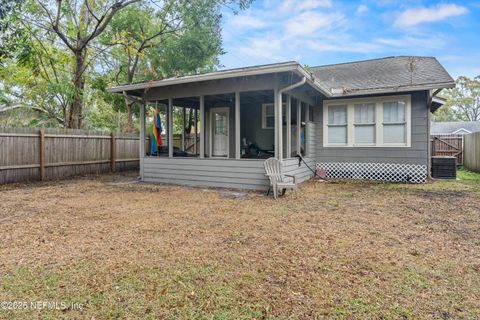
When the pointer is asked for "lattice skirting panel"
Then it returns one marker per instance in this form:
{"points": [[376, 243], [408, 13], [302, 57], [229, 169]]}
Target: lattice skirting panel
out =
{"points": [[396, 172]]}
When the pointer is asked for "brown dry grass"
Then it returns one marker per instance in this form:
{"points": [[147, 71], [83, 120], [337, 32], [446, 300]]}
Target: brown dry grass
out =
{"points": [[339, 250]]}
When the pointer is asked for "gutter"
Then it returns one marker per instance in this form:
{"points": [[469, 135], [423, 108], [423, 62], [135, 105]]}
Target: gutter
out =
{"points": [[278, 115], [404, 88]]}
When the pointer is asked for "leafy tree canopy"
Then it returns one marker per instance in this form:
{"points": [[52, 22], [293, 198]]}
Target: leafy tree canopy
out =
{"points": [[58, 57]]}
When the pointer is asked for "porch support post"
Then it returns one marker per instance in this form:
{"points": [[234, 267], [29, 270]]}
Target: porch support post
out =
{"points": [[289, 126], [202, 127], [170, 127], [280, 125], [299, 125], [275, 112], [183, 127], [196, 131], [142, 137], [237, 125]]}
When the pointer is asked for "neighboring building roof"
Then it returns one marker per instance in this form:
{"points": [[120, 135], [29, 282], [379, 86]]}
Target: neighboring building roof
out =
{"points": [[405, 73], [386, 75], [455, 127]]}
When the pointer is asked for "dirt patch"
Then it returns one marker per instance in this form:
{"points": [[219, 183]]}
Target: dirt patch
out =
{"points": [[123, 249]]}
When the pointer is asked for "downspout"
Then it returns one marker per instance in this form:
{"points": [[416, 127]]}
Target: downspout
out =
{"points": [[278, 111]]}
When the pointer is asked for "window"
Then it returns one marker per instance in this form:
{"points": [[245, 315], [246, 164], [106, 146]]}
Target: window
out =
{"points": [[365, 123], [337, 125], [368, 122], [220, 124], [394, 124], [268, 115]]}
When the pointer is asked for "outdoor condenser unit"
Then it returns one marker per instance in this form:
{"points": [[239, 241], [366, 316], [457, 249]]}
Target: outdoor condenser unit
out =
{"points": [[444, 167]]}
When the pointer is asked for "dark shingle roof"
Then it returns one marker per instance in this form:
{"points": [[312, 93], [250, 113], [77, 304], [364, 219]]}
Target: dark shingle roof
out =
{"points": [[390, 74], [451, 127]]}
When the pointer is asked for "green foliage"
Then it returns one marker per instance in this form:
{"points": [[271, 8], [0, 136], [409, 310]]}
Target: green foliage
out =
{"points": [[143, 41], [464, 174], [463, 101]]}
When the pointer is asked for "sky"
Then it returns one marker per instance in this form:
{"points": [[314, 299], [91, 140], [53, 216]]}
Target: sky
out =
{"points": [[319, 32]]}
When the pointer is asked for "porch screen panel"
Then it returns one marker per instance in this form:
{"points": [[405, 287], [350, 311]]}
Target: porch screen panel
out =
{"points": [[337, 124]]}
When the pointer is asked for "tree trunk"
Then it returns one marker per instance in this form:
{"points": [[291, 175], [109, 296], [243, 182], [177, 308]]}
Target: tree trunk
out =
{"points": [[76, 106], [129, 106]]}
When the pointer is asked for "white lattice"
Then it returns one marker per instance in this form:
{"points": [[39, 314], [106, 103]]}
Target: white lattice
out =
{"points": [[375, 171]]}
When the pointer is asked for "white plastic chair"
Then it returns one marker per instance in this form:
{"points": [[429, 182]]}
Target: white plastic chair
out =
{"points": [[273, 168]]}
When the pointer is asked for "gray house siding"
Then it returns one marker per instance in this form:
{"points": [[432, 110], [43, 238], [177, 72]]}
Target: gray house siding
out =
{"points": [[224, 173], [416, 154], [302, 172]]}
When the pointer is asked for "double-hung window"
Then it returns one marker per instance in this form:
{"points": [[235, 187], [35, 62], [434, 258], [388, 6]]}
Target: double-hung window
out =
{"points": [[367, 122], [337, 125], [364, 123], [394, 122]]}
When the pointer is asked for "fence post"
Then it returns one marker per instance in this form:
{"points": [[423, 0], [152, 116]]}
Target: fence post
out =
{"points": [[113, 150], [41, 148]]}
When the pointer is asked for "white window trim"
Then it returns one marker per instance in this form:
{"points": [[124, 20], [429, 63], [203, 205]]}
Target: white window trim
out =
{"points": [[378, 121], [264, 114]]}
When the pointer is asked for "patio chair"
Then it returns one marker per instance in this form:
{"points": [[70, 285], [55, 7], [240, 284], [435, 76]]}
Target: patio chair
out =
{"points": [[278, 180]]}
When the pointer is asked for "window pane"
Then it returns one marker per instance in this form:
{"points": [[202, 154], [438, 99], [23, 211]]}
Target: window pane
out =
{"points": [[365, 134], [270, 110], [394, 111], [337, 115], [220, 124], [365, 113], [270, 122], [337, 135], [394, 133]]}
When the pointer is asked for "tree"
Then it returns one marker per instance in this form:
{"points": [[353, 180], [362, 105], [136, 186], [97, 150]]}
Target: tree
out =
{"points": [[463, 101], [50, 50], [35, 78], [76, 25], [181, 37]]}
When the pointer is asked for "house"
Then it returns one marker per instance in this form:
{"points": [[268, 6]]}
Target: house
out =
{"points": [[465, 127], [367, 119]]}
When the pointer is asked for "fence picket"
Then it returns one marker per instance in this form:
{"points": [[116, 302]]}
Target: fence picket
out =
{"points": [[28, 154]]}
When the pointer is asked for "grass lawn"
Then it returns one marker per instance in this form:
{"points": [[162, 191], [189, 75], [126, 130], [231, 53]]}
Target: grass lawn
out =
{"points": [[346, 250]]}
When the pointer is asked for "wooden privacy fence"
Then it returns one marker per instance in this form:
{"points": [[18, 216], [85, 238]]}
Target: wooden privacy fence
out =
{"points": [[472, 151], [38, 154], [448, 145]]}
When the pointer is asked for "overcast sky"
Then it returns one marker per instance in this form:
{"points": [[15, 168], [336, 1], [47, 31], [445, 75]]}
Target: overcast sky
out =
{"points": [[318, 32]]}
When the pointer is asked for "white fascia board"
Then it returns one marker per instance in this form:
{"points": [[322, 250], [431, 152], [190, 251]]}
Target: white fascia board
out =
{"points": [[439, 100]]}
